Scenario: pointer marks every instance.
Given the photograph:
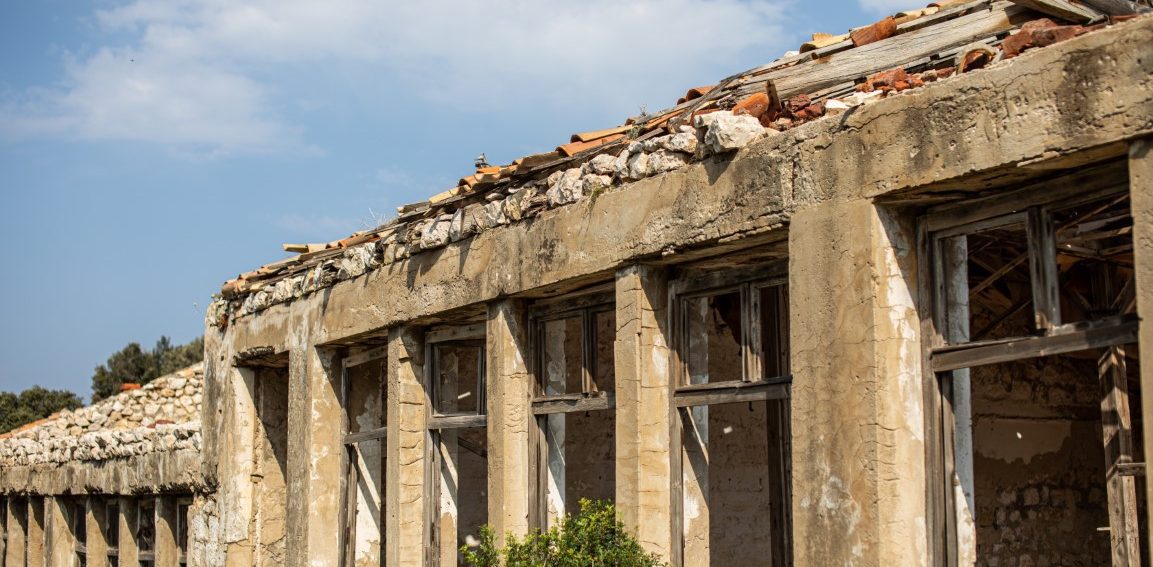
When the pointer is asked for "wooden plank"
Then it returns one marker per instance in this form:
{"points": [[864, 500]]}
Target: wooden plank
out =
{"points": [[1043, 270], [366, 356], [895, 51], [1117, 439], [455, 333], [457, 421], [573, 403], [1063, 9], [1131, 469], [1032, 347], [751, 392], [365, 435]]}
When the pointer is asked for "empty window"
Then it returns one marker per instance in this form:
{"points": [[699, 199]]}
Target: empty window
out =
{"points": [[574, 405], [183, 507], [365, 398], [459, 440], [733, 403], [111, 527], [78, 517], [146, 533], [1034, 353]]}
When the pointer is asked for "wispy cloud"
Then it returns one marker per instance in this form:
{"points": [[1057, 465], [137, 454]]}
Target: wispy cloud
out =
{"points": [[209, 75]]}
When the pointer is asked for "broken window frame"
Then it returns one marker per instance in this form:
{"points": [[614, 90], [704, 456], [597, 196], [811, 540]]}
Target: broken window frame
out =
{"points": [[943, 355], [146, 557], [112, 518], [78, 523], [752, 387], [467, 335], [351, 456], [592, 397]]}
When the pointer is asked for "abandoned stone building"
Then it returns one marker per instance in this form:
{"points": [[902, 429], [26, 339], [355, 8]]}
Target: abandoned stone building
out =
{"points": [[874, 303], [114, 483]]}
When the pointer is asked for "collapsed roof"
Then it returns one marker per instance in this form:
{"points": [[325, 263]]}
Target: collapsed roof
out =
{"points": [[827, 76]]}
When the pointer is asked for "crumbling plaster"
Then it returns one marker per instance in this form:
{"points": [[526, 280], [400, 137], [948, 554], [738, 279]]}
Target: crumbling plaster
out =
{"points": [[1050, 107]]}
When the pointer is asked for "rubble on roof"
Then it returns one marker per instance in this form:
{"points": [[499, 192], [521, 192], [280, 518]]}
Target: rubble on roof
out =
{"points": [[161, 416], [829, 75]]}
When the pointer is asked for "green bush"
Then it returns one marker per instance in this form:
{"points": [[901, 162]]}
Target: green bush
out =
{"points": [[594, 537]]}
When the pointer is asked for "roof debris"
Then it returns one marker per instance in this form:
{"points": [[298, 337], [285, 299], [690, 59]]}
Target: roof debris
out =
{"points": [[829, 75]]}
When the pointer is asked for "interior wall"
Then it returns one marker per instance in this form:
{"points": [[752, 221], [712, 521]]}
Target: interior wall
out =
{"points": [[1038, 463], [271, 457]]}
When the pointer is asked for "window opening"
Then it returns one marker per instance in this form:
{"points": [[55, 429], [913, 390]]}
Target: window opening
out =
{"points": [[146, 533], [111, 527], [365, 400], [734, 423], [458, 483]]}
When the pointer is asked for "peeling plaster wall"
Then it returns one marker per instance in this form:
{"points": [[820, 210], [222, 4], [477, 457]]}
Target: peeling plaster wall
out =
{"points": [[271, 465], [1039, 467]]}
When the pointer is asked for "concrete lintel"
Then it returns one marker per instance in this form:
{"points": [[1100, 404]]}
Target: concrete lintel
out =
{"points": [[509, 387], [407, 443], [644, 491]]}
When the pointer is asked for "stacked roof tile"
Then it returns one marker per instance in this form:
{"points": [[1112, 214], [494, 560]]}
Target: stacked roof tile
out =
{"points": [[828, 75]]}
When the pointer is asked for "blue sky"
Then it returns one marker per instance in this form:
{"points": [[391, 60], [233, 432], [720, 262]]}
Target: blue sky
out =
{"points": [[151, 149]]}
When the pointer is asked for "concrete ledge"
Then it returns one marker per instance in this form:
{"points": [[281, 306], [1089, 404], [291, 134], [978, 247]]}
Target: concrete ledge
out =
{"points": [[145, 474]]}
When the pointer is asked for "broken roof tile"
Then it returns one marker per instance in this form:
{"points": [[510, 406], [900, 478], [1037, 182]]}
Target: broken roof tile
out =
{"points": [[575, 148]]}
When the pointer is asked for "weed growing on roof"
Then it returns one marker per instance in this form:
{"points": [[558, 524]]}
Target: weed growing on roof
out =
{"points": [[594, 537]]}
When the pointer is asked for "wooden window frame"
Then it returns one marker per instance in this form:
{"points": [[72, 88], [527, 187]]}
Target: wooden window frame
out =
{"points": [[752, 387], [471, 334], [586, 306], [350, 479], [1032, 204]]}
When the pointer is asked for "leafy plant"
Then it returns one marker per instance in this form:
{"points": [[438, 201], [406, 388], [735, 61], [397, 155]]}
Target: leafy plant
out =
{"points": [[594, 537]]}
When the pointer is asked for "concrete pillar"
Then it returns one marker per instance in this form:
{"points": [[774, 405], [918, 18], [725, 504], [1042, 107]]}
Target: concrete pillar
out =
{"points": [[129, 515], [509, 390], [95, 514], [61, 543], [1141, 192], [644, 489], [167, 549], [4, 519], [315, 453], [17, 522], [858, 426], [36, 532], [407, 443]]}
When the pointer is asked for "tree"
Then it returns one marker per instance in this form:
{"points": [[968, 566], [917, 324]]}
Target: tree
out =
{"points": [[33, 404], [133, 364]]}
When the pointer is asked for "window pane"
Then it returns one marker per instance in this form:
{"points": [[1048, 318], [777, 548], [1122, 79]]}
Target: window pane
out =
{"points": [[458, 387], [463, 505], [1094, 247], [561, 356], [774, 331], [988, 285], [714, 338]]}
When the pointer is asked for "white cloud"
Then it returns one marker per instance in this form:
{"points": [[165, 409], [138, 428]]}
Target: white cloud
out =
{"points": [[889, 6], [210, 74]]}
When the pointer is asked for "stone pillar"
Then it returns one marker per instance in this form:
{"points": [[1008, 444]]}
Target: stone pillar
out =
{"points": [[167, 548], [35, 554], [17, 522], [509, 391], [407, 444], [858, 444], [129, 516], [95, 514], [1141, 193], [644, 489], [61, 543], [315, 453]]}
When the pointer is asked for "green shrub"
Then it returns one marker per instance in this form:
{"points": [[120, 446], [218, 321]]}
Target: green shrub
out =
{"points": [[594, 537]]}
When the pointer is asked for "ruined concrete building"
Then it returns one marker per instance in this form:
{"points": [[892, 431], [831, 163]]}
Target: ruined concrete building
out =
{"points": [[875, 303], [114, 483]]}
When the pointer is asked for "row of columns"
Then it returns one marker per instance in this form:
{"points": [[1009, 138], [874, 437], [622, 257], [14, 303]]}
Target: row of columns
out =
{"points": [[40, 531]]}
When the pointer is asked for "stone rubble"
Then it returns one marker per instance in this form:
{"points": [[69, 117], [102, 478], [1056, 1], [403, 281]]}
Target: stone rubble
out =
{"points": [[162, 416]]}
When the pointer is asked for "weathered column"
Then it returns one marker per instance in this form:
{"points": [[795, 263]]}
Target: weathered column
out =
{"points": [[17, 522], [95, 514], [858, 444], [1141, 194], [167, 548], [509, 391], [129, 517], [315, 453], [36, 533], [406, 445], [644, 489], [61, 543]]}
